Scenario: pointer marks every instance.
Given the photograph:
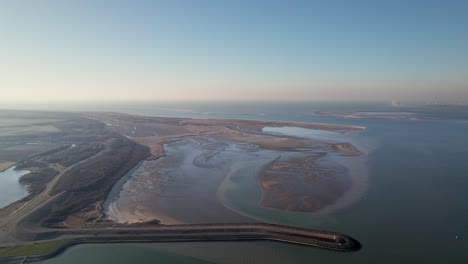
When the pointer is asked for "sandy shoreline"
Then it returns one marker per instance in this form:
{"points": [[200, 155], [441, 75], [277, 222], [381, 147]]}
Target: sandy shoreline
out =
{"points": [[134, 216]]}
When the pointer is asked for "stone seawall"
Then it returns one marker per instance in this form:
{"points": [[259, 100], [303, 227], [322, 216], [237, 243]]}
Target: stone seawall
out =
{"points": [[211, 232]]}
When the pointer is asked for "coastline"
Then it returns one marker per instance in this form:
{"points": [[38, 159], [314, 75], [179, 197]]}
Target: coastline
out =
{"points": [[114, 193], [282, 122]]}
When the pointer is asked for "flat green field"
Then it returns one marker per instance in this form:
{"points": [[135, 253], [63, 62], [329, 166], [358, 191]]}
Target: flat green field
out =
{"points": [[24, 250]]}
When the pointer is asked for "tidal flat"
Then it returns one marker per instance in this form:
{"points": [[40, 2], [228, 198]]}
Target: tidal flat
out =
{"points": [[182, 186], [191, 182]]}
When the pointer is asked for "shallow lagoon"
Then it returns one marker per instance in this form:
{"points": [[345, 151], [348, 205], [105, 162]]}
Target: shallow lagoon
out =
{"points": [[10, 188]]}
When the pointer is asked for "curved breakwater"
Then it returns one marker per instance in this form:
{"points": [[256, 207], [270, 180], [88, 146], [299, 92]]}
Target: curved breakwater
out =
{"points": [[208, 232]]}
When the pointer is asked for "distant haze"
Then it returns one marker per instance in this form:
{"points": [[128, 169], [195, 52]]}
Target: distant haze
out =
{"points": [[233, 50]]}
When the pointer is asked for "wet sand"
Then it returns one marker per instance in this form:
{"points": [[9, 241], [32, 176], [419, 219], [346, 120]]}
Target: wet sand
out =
{"points": [[182, 186]]}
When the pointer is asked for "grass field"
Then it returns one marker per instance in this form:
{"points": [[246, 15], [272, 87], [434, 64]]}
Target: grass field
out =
{"points": [[25, 250], [5, 165]]}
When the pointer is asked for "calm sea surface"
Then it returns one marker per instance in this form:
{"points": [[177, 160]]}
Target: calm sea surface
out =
{"points": [[414, 204]]}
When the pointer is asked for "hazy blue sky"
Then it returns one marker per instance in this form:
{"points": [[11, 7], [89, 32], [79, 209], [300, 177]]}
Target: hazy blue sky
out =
{"points": [[233, 50]]}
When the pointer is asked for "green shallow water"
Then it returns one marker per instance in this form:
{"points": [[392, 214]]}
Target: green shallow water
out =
{"points": [[120, 253]]}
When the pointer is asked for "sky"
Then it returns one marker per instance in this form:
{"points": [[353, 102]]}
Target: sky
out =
{"points": [[114, 50]]}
